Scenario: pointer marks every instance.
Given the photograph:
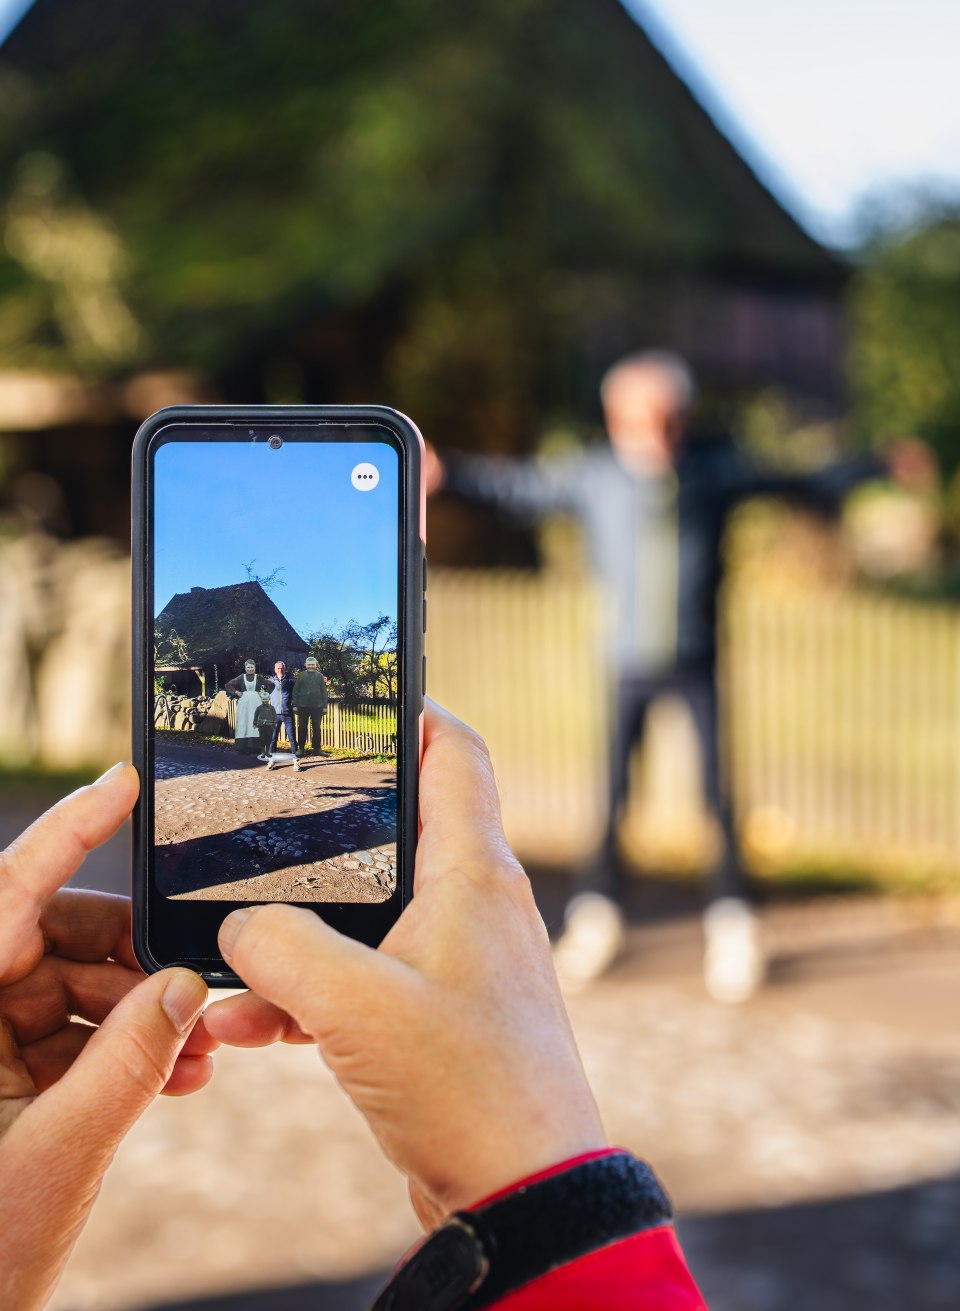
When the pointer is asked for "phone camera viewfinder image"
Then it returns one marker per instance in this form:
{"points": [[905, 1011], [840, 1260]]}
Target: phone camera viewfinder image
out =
{"points": [[276, 670]]}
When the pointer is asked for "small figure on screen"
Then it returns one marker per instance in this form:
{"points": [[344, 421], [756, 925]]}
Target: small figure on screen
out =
{"points": [[265, 719]]}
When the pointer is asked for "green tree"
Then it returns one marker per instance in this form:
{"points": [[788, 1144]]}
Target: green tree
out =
{"points": [[463, 208], [340, 658], [359, 660], [169, 648], [378, 642], [905, 332]]}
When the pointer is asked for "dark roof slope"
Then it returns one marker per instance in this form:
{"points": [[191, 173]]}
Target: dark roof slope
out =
{"points": [[260, 161], [218, 620]]}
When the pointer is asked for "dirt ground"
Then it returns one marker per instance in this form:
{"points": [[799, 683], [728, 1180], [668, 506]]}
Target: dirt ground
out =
{"points": [[325, 833], [810, 1139]]}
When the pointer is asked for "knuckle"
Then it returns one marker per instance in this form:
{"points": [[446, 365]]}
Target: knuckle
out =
{"points": [[477, 746], [144, 1067], [14, 873], [517, 887], [500, 875]]}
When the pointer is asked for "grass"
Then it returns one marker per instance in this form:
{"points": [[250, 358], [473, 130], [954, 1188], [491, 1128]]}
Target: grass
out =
{"points": [[187, 738]]}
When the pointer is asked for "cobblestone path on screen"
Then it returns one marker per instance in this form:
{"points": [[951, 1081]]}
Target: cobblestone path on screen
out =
{"points": [[229, 829]]}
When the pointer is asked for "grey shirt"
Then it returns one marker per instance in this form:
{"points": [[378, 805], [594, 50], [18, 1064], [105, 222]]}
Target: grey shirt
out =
{"points": [[655, 543]]}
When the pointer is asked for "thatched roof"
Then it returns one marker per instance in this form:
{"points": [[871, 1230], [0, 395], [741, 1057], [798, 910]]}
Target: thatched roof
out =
{"points": [[249, 199], [468, 210], [223, 624]]}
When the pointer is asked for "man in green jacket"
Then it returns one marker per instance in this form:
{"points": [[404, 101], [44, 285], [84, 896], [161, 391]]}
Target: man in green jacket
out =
{"points": [[310, 704]]}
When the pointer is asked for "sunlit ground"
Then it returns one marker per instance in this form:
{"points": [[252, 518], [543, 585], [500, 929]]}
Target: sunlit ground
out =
{"points": [[810, 1139]]}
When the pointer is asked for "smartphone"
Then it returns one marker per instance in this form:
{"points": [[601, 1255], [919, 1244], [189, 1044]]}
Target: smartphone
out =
{"points": [[279, 577]]}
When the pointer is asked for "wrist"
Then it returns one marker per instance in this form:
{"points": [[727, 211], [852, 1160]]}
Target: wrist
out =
{"points": [[500, 1169], [480, 1255], [548, 1172]]}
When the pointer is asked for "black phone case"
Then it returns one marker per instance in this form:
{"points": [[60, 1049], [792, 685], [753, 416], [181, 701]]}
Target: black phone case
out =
{"points": [[367, 922]]}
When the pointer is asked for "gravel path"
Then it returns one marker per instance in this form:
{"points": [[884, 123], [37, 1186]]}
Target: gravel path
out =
{"points": [[230, 829], [810, 1139]]}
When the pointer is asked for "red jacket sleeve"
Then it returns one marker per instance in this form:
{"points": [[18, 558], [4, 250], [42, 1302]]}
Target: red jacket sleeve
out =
{"points": [[645, 1272]]}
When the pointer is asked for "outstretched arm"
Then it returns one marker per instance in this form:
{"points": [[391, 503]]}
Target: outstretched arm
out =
{"points": [[821, 489], [523, 488], [908, 462]]}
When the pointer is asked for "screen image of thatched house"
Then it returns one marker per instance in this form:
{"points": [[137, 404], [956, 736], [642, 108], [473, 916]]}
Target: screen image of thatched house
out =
{"points": [[203, 637]]}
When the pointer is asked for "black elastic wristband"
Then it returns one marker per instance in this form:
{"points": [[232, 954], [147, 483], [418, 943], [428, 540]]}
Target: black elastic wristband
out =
{"points": [[477, 1257]]}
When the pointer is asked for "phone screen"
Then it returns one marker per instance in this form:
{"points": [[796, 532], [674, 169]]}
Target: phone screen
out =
{"points": [[274, 570]]}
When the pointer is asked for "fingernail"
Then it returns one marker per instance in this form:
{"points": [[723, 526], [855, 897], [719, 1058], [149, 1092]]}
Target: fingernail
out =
{"points": [[111, 772], [230, 929], [183, 999]]}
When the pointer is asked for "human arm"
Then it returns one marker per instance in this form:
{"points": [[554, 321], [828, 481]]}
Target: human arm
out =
{"points": [[908, 462], [452, 1038], [232, 688], [69, 1091], [522, 488], [823, 489]]}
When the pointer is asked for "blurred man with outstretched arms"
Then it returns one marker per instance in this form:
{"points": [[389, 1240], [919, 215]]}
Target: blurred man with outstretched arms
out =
{"points": [[654, 502]]}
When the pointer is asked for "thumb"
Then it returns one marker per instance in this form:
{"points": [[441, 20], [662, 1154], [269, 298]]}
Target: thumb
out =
{"points": [[290, 957], [74, 1128], [56, 1151]]}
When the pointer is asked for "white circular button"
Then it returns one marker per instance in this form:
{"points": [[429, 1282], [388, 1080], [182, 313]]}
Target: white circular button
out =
{"points": [[365, 477]]}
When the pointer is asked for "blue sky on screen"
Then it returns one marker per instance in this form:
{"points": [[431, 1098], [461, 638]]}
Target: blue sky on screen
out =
{"points": [[220, 504]]}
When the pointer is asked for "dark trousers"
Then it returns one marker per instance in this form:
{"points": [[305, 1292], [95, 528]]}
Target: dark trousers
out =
{"points": [[634, 696], [284, 719], [309, 717], [266, 736]]}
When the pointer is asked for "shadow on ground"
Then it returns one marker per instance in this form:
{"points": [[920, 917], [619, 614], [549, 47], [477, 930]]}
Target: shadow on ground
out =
{"points": [[876, 1252], [882, 1251], [348, 1295], [276, 842]]}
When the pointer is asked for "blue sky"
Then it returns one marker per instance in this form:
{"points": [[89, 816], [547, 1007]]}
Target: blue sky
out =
{"points": [[220, 504], [10, 13], [830, 100]]}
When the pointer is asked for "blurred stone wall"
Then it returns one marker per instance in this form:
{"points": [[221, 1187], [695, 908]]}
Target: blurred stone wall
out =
{"points": [[64, 652]]}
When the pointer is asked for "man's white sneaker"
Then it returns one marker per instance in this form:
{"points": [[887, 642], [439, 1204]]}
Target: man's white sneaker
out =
{"points": [[592, 939], [296, 763], [735, 962], [271, 763]]}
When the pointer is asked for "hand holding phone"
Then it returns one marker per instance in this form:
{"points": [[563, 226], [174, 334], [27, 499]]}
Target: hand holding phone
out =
{"points": [[86, 1043], [452, 1038], [278, 628]]}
